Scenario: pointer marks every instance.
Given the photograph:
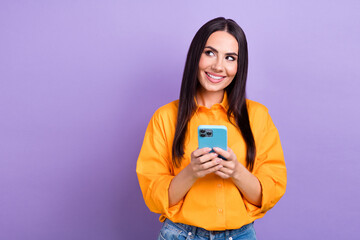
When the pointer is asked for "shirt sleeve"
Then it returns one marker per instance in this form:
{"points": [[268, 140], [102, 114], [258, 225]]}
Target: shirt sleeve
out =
{"points": [[269, 167], [154, 169]]}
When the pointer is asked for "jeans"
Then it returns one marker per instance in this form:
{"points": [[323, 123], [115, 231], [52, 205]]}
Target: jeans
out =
{"points": [[172, 231]]}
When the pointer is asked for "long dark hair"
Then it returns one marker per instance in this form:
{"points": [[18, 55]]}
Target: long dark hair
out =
{"points": [[235, 91]]}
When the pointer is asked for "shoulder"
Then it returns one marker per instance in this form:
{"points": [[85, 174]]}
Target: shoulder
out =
{"points": [[256, 108], [166, 114], [258, 114], [168, 110]]}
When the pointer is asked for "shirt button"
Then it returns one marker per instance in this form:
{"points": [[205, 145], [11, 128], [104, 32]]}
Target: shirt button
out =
{"points": [[189, 233], [220, 210]]}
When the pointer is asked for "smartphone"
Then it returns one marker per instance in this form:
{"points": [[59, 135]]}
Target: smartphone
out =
{"points": [[212, 136]]}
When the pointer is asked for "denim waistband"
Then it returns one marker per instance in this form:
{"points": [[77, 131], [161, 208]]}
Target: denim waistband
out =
{"points": [[205, 233]]}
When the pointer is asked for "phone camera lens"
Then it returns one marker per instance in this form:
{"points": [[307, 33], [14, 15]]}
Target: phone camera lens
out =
{"points": [[202, 135], [202, 130], [209, 133]]}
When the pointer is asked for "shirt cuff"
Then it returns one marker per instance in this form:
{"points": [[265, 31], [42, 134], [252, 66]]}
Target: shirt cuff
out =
{"points": [[268, 189], [158, 198], [268, 186]]}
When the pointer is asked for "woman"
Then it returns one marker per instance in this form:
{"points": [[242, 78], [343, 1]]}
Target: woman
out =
{"points": [[198, 194]]}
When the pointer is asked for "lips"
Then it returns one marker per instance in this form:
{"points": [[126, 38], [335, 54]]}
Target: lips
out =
{"points": [[214, 78]]}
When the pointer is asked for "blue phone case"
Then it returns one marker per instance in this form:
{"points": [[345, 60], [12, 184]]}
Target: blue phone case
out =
{"points": [[212, 136]]}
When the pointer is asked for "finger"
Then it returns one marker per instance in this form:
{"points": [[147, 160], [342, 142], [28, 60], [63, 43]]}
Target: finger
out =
{"points": [[214, 162], [221, 174], [210, 170], [222, 152], [226, 163], [231, 153], [207, 157], [201, 151], [226, 171]]}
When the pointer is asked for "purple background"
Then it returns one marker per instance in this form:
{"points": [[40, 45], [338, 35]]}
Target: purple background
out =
{"points": [[79, 81]]}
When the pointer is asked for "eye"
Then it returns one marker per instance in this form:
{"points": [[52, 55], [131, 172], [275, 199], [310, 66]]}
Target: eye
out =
{"points": [[209, 53], [230, 58]]}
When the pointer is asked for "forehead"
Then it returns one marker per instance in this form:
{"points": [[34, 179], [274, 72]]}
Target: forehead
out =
{"points": [[223, 42]]}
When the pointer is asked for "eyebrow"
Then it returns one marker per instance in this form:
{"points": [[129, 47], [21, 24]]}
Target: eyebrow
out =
{"points": [[229, 54]]}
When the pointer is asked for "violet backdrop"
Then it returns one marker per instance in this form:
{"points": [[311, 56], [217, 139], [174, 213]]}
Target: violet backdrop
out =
{"points": [[79, 81]]}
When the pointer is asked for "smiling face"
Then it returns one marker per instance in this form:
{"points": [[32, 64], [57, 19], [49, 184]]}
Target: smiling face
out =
{"points": [[218, 62]]}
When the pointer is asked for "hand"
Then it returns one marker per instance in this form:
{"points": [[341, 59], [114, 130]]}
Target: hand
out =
{"points": [[231, 167], [203, 162]]}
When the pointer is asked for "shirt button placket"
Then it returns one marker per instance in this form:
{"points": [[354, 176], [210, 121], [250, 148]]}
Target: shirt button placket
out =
{"points": [[220, 202]]}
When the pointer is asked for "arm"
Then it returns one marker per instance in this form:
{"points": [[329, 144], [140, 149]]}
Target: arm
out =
{"points": [[162, 191], [154, 170], [244, 180], [265, 185], [202, 163]]}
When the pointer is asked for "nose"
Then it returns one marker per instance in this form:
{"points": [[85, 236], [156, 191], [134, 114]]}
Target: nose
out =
{"points": [[218, 65]]}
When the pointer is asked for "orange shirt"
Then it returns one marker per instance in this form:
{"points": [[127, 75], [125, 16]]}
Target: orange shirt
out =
{"points": [[212, 203]]}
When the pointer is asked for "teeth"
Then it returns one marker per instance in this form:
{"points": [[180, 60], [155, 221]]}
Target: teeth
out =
{"points": [[214, 77]]}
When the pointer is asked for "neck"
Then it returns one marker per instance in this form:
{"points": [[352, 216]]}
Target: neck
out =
{"points": [[207, 99]]}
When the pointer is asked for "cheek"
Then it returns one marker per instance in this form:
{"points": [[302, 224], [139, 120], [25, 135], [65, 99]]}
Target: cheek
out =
{"points": [[232, 70], [202, 67], [202, 63]]}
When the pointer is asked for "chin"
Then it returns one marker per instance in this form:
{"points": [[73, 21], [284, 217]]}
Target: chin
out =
{"points": [[213, 89]]}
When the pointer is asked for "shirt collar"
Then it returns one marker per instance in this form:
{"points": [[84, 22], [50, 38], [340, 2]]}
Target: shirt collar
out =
{"points": [[224, 103]]}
